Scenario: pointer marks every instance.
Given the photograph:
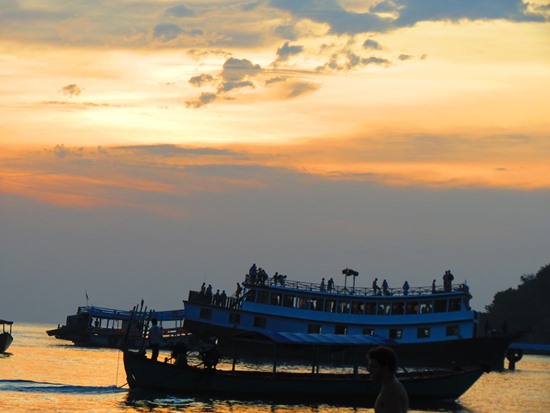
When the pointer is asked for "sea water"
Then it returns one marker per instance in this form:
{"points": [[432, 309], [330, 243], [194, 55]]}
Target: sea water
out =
{"points": [[42, 374]]}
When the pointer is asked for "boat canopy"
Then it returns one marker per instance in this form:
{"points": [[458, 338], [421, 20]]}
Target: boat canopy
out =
{"points": [[6, 322], [114, 314], [316, 339]]}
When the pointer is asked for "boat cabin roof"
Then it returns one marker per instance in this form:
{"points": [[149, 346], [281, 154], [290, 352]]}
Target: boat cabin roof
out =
{"points": [[115, 314], [6, 322], [314, 339]]}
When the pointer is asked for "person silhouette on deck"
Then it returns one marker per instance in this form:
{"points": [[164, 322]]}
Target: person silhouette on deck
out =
{"points": [[448, 281], [375, 287], [385, 288]]}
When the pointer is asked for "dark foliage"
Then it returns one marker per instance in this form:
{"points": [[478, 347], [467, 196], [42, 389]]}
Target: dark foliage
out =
{"points": [[525, 308]]}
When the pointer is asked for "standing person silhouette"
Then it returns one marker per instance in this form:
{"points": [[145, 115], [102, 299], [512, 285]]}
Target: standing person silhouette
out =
{"points": [[375, 287], [155, 336], [448, 281], [382, 364]]}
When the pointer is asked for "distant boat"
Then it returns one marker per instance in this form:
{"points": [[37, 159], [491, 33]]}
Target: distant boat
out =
{"points": [[5, 336], [93, 326], [353, 388], [428, 325]]}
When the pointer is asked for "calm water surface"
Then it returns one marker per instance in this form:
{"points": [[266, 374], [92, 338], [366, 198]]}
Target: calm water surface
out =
{"points": [[41, 374]]}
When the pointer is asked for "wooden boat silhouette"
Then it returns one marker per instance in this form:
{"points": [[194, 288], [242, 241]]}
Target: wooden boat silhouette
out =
{"points": [[5, 336], [94, 326], [270, 383]]}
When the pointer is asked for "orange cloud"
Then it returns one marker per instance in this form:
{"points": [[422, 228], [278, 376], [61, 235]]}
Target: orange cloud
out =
{"points": [[157, 177]]}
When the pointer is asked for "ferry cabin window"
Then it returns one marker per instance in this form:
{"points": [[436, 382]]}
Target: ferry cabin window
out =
{"points": [[396, 333], [259, 322], [343, 307], [454, 304], [370, 308], [205, 313], [383, 309], [357, 307], [397, 308], [303, 303], [423, 332], [288, 300], [314, 329], [329, 306], [318, 304], [425, 307], [368, 331], [412, 308], [440, 306], [250, 296], [234, 318], [451, 331], [262, 297], [340, 329], [275, 299]]}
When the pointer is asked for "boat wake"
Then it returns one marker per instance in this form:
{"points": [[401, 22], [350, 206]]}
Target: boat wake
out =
{"points": [[29, 386], [151, 399]]}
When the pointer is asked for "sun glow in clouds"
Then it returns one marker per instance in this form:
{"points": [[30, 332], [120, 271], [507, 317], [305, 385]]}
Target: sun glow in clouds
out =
{"points": [[396, 94]]}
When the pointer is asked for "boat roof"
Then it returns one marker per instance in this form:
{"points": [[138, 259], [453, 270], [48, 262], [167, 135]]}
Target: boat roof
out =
{"points": [[116, 314], [6, 322], [315, 339]]}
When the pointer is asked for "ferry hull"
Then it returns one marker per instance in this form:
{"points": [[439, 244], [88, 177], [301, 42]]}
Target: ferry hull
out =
{"points": [[486, 352]]}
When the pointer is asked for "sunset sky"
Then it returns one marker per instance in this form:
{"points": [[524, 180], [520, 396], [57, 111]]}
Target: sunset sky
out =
{"points": [[147, 146]]}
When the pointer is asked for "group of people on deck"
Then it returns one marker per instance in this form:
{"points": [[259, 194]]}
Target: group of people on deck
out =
{"points": [[329, 287], [448, 278], [385, 290], [257, 275], [216, 299]]}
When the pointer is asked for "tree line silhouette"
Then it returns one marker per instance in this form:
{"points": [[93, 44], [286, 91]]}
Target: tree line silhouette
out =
{"points": [[525, 308]]}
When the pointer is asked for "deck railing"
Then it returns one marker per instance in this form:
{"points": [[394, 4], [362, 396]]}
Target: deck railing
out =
{"points": [[357, 291], [301, 286]]}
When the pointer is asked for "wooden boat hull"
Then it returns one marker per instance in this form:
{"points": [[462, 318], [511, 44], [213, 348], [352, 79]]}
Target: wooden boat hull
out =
{"points": [[143, 373], [5, 341], [89, 338]]}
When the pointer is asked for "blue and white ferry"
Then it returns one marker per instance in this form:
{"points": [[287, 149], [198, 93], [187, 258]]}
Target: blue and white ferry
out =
{"points": [[94, 326], [425, 324]]}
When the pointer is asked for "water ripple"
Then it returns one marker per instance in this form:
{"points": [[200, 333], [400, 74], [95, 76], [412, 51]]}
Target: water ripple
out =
{"points": [[29, 386]]}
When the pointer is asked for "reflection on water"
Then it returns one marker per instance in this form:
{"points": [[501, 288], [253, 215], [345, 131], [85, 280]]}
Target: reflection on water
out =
{"points": [[160, 402], [44, 374]]}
